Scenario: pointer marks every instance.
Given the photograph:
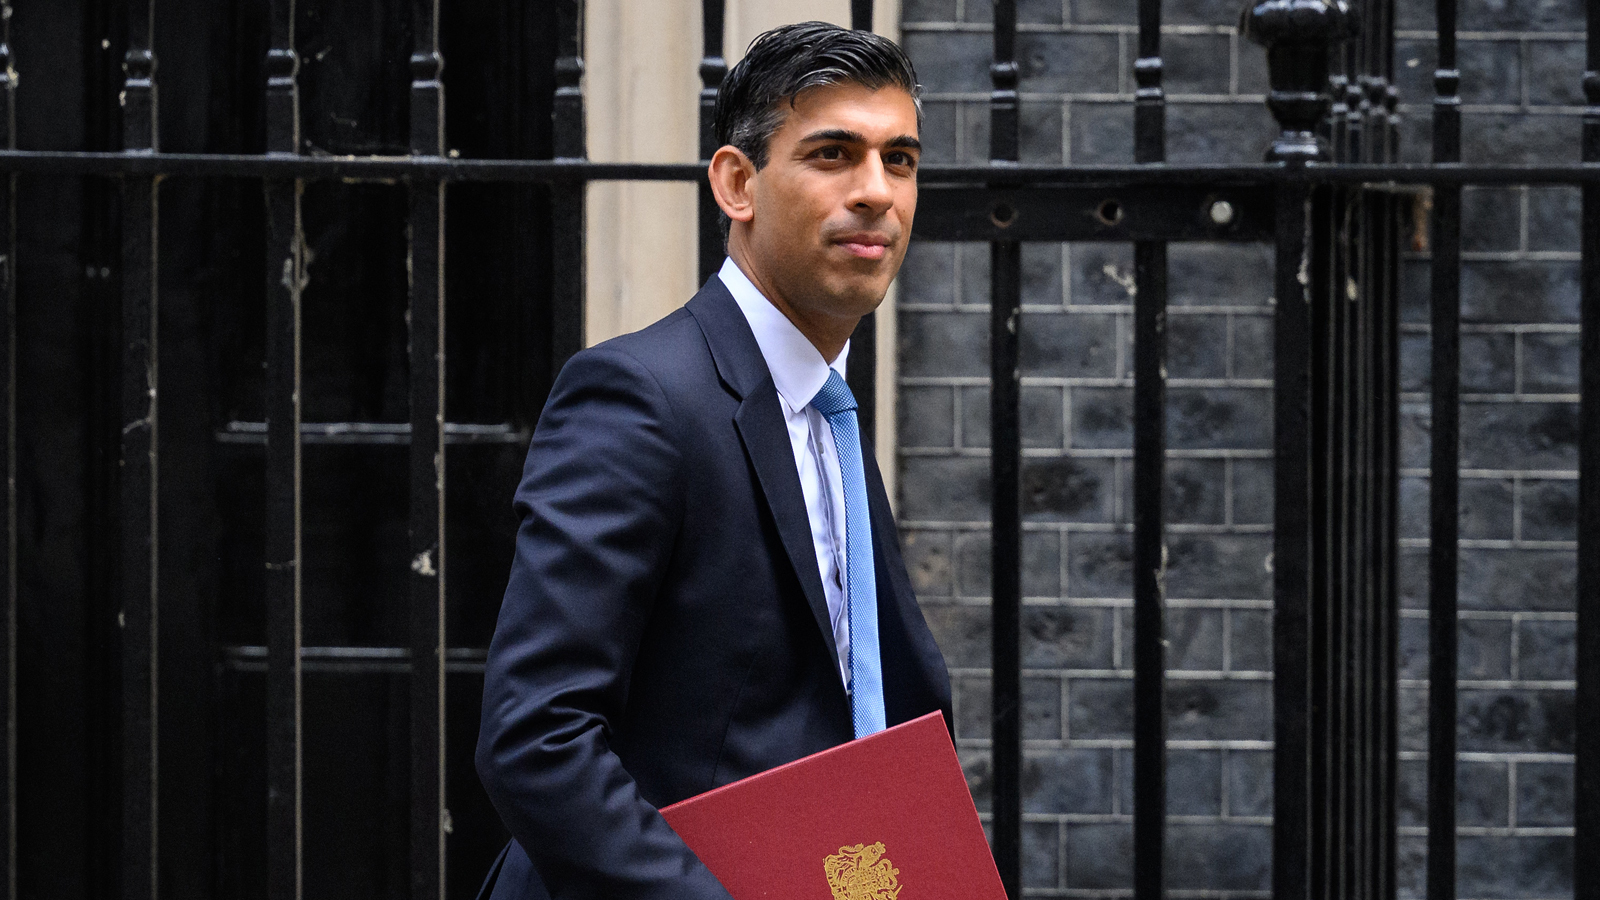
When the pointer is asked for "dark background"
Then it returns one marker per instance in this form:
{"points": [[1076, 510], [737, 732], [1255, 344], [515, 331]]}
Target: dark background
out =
{"points": [[355, 85]]}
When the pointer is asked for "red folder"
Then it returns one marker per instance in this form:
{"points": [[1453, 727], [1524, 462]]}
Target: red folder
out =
{"points": [[862, 821]]}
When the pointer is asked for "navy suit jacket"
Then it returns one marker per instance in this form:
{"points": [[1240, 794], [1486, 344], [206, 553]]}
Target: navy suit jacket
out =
{"points": [[664, 630]]}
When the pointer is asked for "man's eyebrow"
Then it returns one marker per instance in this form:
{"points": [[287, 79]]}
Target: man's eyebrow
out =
{"points": [[846, 136]]}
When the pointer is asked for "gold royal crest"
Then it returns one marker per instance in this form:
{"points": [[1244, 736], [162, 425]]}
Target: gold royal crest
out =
{"points": [[862, 873]]}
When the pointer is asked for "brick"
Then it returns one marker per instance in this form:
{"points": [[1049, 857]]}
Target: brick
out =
{"points": [[950, 62], [1514, 866], [1064, 62], [1521, 435], [1102, 418], [1219, 857], [1505, 721], [1411, 864], [1483, 794], [1416, 426], [1196, 63], [1200, 12], [1100, 274], [938, 133], [1220, 274], [1099, 708], [1526, 15], [1102, 12], [1195, 490], [1415, 61], [1416, 139], [1547, 650], [1194, 783], [1543, 580], [1253, 76], [1101, 133], [943, 344], [1219, 418], [1411, 793], [1250, 640], [974, 284], [927, 558], [928, 10], [1491, 72], [1041, 564], [1550, 363], [1490, 218], [1041, 851], [944, 489], [1416, 286], [1501, 138], [1544, 794], [1415, 17], [1194, 638], [1067, 489], [1069, 344], [1252, 346], [964, 634], [1207, 133], [1249, 774], [1066, 637], [1197, 346], [1554, 217], [1413, 578], [926, 416], [1252, 491], [1413, 648], [1040, 138], [1099, 856], [1416, 360], [973, 134], [979, 767], [1041, 708], [928, 275], [1414, 513], [1041, 413], [1413, 718], [1550, 510], [1219, 710], [1488, 362], [1555, 73], [1486, 508], [1099, 565], [1067, 781], [1495, 292]]}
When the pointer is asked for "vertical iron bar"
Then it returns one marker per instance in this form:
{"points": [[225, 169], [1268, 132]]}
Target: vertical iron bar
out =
{"points": [[285, 281], [568, 207], [8, 468], [1586, 775], [140, 485], [1444, 488], [1291, 555], [1005, 327], [713, 68], [861, 15], [1149, 486], [425, 260], [1389, 584]]}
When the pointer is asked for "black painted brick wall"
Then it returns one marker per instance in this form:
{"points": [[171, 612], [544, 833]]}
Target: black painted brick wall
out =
{"points": [[1522, 66]]}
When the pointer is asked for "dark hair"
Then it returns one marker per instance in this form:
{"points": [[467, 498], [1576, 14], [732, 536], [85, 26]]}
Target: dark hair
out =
{"points": [[783, 62]]}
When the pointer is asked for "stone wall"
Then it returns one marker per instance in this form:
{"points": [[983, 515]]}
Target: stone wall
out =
{"points": [[1522, 66]]}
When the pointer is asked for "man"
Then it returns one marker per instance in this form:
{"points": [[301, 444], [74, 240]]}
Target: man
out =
{"points": [[707, 581]]}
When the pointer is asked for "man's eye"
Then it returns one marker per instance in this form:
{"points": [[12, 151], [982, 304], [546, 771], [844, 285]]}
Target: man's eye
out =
{"points": [[902, 159], [830, 153]]}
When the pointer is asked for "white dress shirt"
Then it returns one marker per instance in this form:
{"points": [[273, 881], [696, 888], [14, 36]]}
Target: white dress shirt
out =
{"points": [[799, 371]]}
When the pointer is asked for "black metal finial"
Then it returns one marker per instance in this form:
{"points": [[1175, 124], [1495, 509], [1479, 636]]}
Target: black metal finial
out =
{"points": [[1297, 35]]}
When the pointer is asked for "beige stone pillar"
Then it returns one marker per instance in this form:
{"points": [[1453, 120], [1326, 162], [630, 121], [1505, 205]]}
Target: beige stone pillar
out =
{"points": [[641, 86]]}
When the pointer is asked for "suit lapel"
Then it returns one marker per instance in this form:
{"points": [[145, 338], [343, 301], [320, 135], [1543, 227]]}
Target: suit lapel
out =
{"points": [[761, 427]]}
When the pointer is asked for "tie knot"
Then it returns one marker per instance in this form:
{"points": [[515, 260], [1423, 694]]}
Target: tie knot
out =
{"points": [[835, 396]]}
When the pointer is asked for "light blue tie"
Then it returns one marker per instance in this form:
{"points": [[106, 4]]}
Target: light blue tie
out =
{"points": [[861, 588]]}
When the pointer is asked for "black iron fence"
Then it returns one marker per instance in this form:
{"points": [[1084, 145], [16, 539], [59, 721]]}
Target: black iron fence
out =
{"points": [[1331, 197]]}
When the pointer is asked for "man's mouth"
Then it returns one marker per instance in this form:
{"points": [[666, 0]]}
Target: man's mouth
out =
{"points": [[865, 246]]}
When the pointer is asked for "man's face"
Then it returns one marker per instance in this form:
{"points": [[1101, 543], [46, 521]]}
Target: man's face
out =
{"points": [[832, 208]]}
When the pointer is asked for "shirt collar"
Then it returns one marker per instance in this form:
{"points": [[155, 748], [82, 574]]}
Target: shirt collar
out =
{"points": [[798, 369]]}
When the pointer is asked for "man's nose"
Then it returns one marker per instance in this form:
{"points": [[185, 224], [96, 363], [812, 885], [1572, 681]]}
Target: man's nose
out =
{"points": [[873, 191]]}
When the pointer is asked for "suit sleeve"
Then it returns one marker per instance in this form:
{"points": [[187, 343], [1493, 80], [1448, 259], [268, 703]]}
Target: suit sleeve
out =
{"points": [[600, 505]]}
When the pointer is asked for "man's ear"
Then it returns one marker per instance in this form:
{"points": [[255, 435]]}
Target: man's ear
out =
{"points": [[732, 176]]}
